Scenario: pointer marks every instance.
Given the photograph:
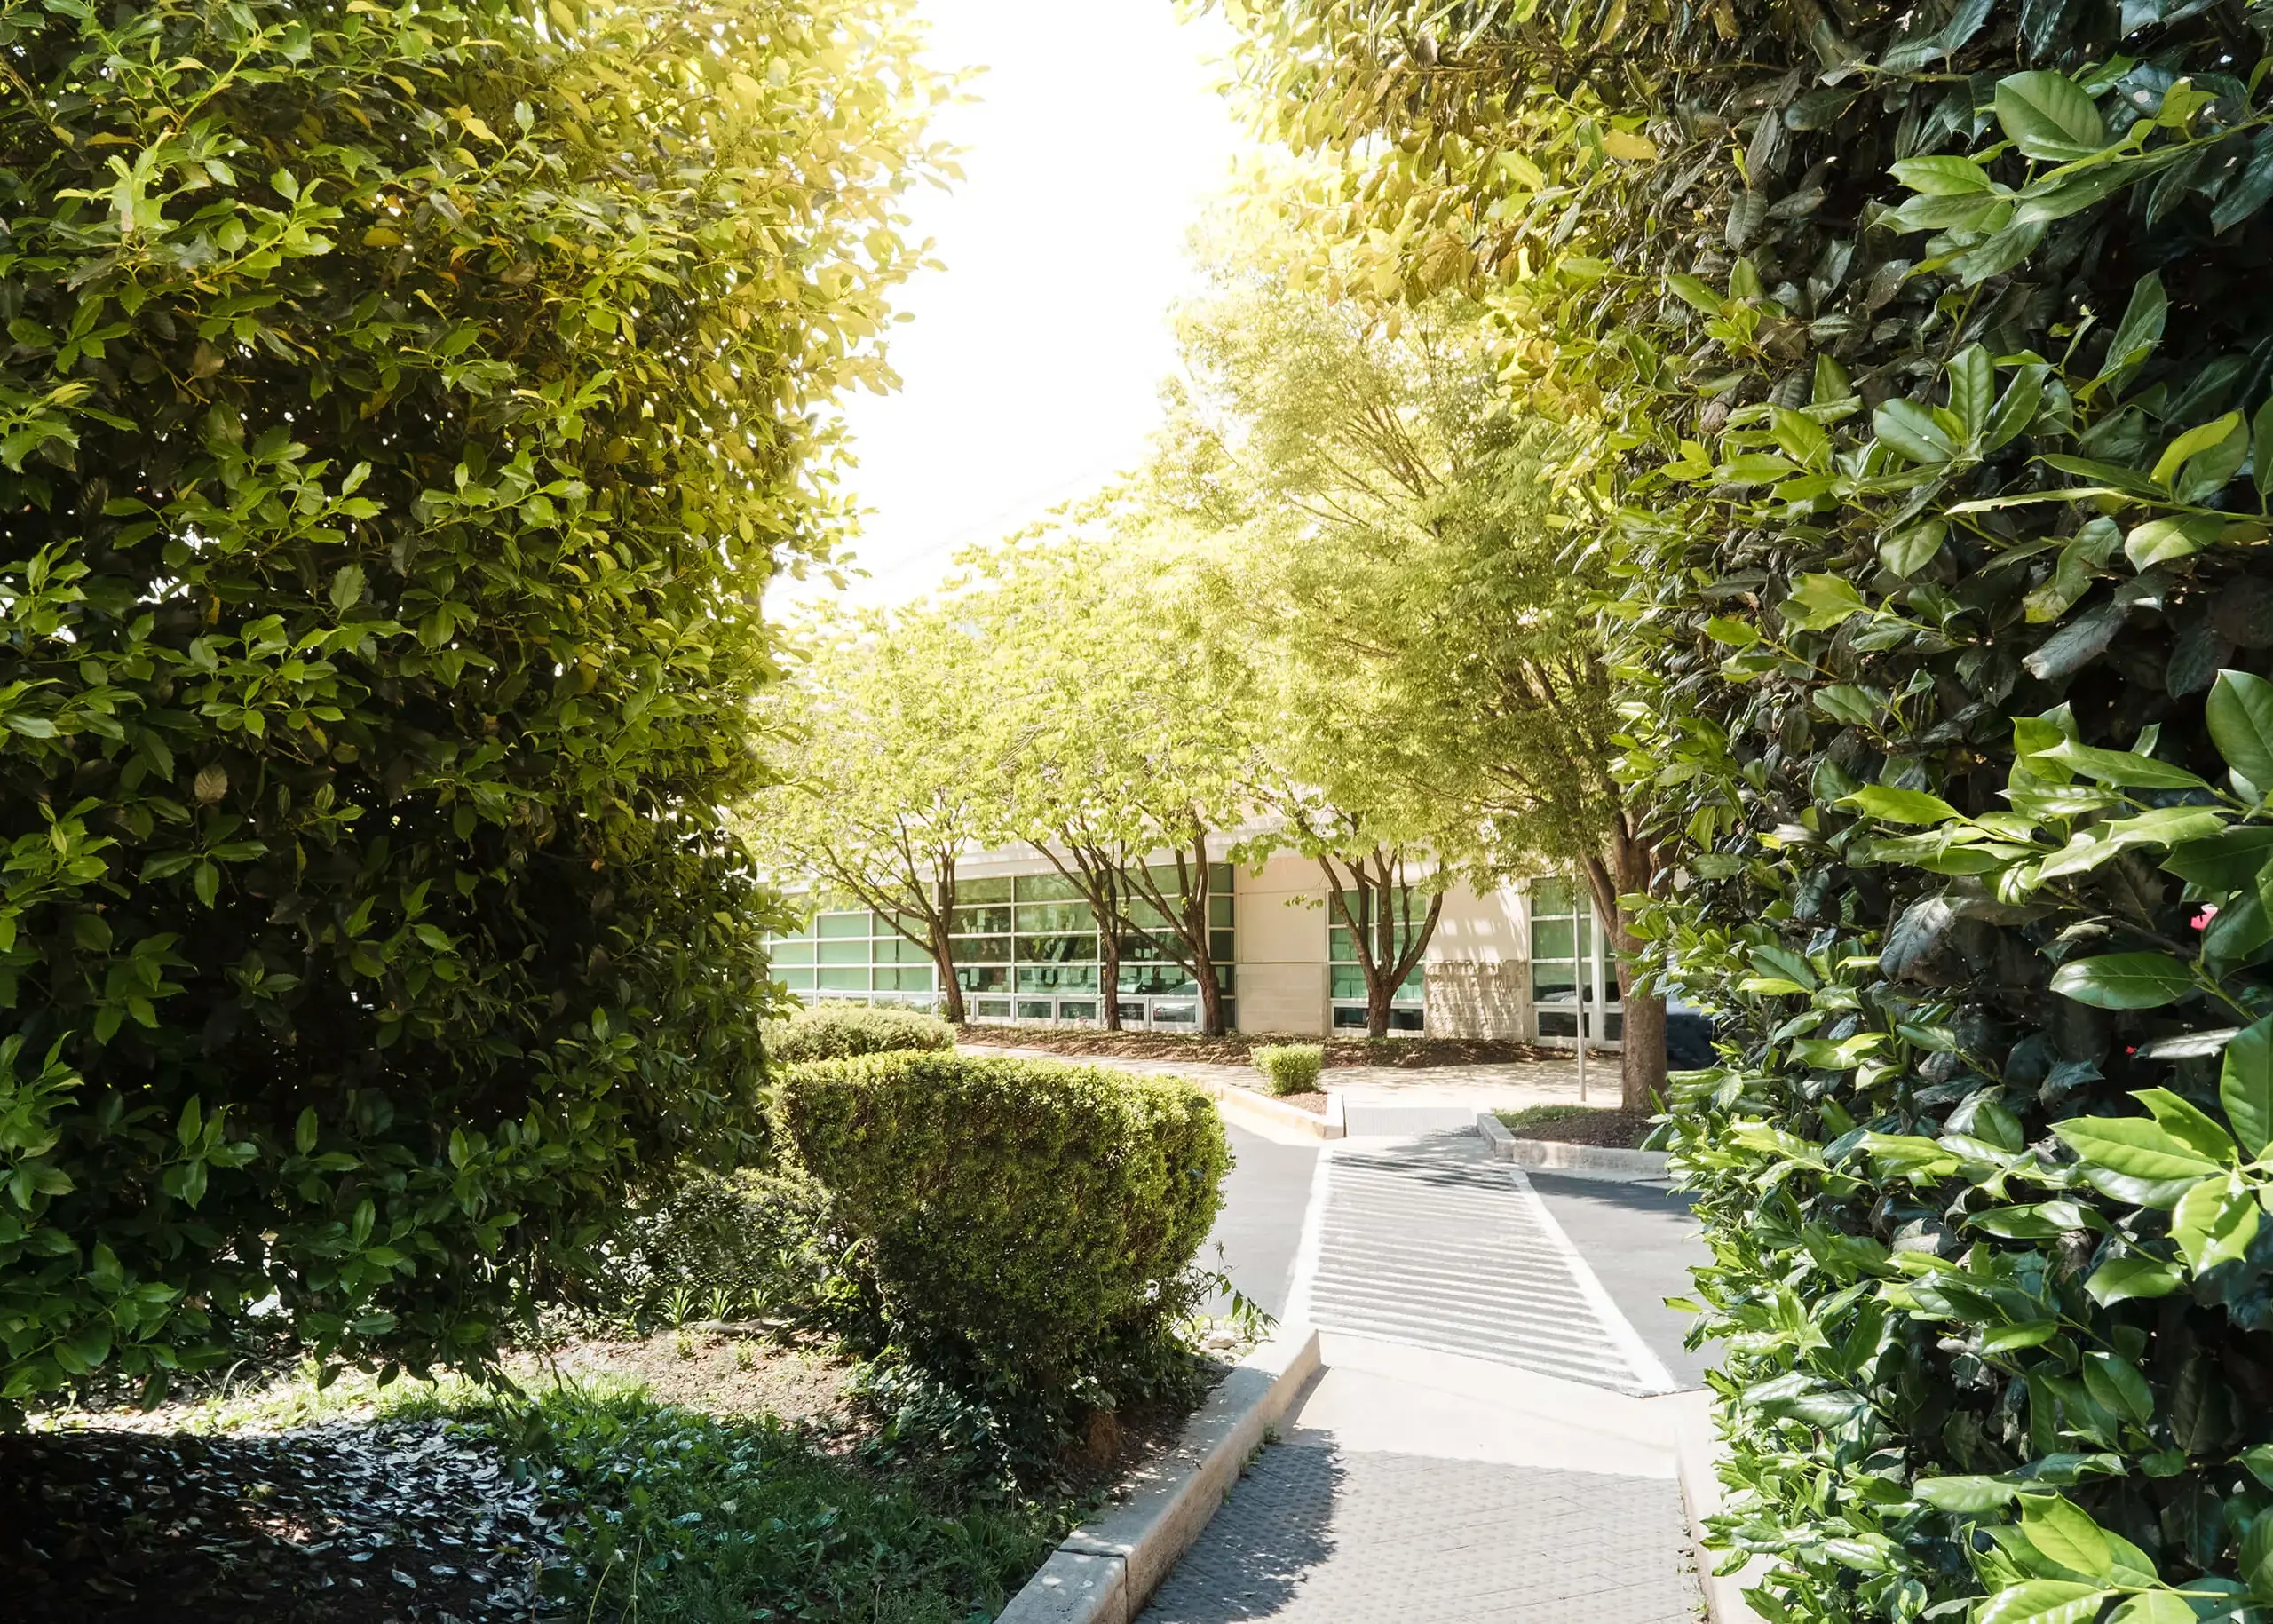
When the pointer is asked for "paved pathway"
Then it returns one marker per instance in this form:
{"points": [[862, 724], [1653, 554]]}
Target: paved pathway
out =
{"points": [[1481, 1444]]}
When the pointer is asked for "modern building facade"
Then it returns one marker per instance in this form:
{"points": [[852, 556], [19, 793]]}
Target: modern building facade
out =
{"points": [[1506, 963]]}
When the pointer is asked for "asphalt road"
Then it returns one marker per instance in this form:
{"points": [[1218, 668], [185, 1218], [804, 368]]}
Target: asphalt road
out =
{"points": [[1260, 1224], [1641, 1243]]}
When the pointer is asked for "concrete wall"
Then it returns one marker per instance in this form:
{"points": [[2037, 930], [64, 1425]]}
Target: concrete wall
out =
{"points": [[1479, 966], [1487, 930], [1280, 917]]}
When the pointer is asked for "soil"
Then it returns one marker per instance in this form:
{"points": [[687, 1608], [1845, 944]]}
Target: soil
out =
{"points": [[1579, 1125], [1309, 1099], [1234, 1049]]}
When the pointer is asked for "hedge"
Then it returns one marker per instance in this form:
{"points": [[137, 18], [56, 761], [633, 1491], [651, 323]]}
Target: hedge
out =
{"points": [[840, 1031], [402, 408], [1291, 1068], [1029, 1221]]}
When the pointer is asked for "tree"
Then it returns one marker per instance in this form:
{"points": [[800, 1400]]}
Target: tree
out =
{"points": [[1126, 750], [1398, 540], [401, 415], [884, 775]]}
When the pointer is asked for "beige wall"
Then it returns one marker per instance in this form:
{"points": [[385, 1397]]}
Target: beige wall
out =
{"points": [[1282, 922], [1488, 929]]}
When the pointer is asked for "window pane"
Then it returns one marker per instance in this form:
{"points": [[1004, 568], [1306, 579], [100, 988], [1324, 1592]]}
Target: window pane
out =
{"points": [[980, 921], [803, 933], [846, 981], [1077, 1008], [984, 977], [1035, 1008], [1040, 916], [795, 980], [1340, 948], [1047, 888], [1155, 978], [1559, 1023], [792, 953], [1146, 949], [1219, 910], [982, 890], [1219, 878], [904, 980], [1551, 983], [1550, 942], [990, 1009], [843, 953], [1347, 1016], [1415, 990], [979, 949], [1221, 946], [1348, 982], [1132, 1014], [1405, 1020], [1054, 977], [1144, 916], [1176, 1014], [843, 924], [1055, 949], [1550, 897], [900, 950]]}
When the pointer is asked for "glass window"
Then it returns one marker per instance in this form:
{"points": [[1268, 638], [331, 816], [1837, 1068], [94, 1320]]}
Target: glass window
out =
{"points": [[1041, 916], [979, 949], [1132, 1014], [1055, 978], [983, 891], [980, 921], [1077, 1008], [1222, 947], [1149, 978], [990, 1009], [1176, 1014], [904, 979], [846, 981], [844, 953], [1144, 916], [1055, 949], [1036, 1009], [984, 977], [1348, 982], [795, 980], [900, 950], [843, 924], [1146, 950], [1339, 947], [802, 933], [1349, 1016], [1219, 910], [791, 952], [1047, 888]]}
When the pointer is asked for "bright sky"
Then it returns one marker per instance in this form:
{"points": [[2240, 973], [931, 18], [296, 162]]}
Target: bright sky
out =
{"points": [[1033, 366]]}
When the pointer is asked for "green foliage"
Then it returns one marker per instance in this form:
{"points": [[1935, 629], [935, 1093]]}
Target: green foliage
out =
{"points": [[402, 410], [837, 1031], [1291, 1068], [677, 1515], [1926, 363], [1030, 1225], [724, 1246]]}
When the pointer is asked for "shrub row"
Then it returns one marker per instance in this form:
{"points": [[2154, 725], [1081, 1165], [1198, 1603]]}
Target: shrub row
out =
{"points": [[840, 1031]]}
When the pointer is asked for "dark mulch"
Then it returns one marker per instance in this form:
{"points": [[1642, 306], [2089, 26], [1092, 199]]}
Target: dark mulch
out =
{"points": [[1234, 1049], [1579, 1125], [347, 1523]]}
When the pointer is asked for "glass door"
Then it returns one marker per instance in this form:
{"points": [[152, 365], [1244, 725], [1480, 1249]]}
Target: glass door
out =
{"points": [[1573, 972]]}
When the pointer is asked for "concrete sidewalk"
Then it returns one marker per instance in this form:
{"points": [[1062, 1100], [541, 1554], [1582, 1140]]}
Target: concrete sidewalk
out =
{"points": [[1491, 1437]]}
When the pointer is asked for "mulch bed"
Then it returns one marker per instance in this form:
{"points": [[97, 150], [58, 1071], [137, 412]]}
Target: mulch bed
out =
{"points": [[1580, 1125], [1235, 1048], [348, 1522]]}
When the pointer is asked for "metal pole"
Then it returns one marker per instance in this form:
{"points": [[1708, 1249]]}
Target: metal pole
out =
{"points": [[1578, 982]]}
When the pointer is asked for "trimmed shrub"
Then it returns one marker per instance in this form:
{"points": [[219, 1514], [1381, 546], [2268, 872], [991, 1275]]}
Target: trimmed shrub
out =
{"points": [[1029, 1223], [394, 445], [1291, 1068], [842, 1031], [723, 1246]]}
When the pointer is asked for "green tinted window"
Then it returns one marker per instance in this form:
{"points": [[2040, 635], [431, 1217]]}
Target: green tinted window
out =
{"points": [[795, 980], [1057, 977], [1219, 910], [968, 891], [1055, 949], [1221, 946], [980, 921], [792, 953], [904, 979], [980, 949], [984, 977], [1047, 888], [1037, 917], [1348, 981], [843, 924], [900, 950], [846, 981], [843, 953]]}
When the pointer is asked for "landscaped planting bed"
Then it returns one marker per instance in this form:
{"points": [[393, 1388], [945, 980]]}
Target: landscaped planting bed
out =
{"points": [[1593, 1125], [1237, 1049]]}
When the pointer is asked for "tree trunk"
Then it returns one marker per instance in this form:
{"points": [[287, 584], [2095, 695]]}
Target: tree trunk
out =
{"points": [[951, 1004], [1211, 1000], [1378, 993], [1109, 972], [1627, 868]]}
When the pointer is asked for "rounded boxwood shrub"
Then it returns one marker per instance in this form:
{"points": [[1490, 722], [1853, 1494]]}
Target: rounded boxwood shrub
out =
{"points": [[1029, 1223], [1291, 1068], [840, 1031]]}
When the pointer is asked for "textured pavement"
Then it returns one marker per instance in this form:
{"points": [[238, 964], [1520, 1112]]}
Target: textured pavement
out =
{"points": [[1480, 1446], [1312, 1534]]}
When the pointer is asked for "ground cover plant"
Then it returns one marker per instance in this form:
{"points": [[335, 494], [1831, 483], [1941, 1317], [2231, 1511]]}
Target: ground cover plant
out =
{"points": [[1029, 1228], [401, 411], [1925, 356]]}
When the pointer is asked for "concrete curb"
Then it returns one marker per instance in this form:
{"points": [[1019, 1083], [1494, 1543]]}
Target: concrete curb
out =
{"points": [[1245, 1104], [1106, 1570], [1697, 1446], [1574, 1160]]}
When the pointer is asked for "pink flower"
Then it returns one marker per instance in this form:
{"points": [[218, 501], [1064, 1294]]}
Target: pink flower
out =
{"points": [[2202, 920]]}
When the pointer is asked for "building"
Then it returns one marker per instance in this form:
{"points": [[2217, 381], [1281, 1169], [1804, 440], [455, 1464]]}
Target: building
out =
{"points": [[1502, 964]]}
